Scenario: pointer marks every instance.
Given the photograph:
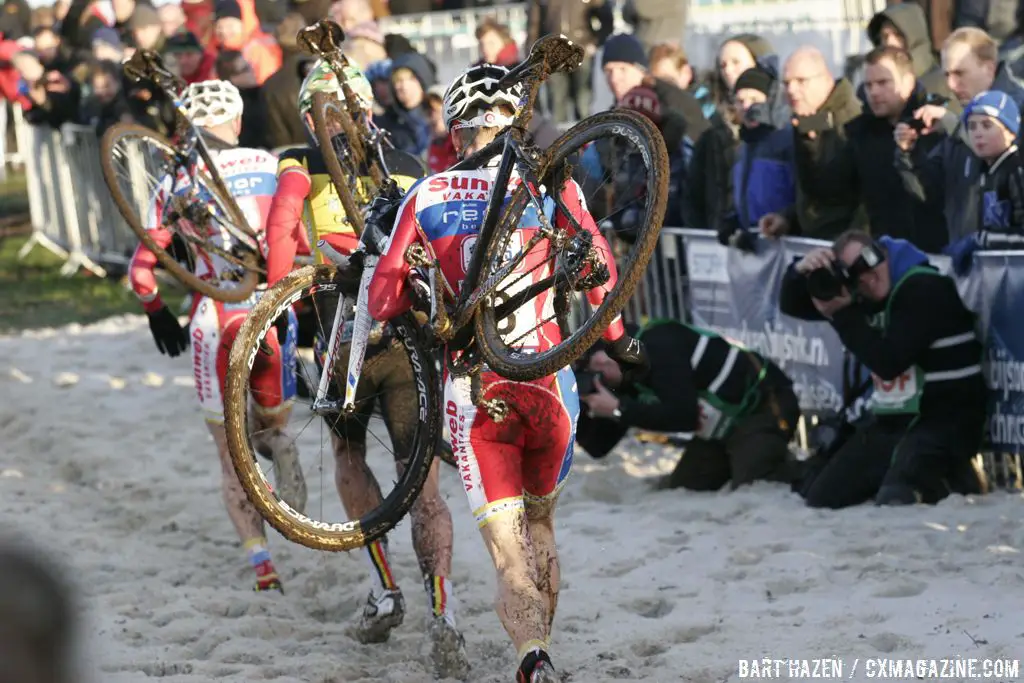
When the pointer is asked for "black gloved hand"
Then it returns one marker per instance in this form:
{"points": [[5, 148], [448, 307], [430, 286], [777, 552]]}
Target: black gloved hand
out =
{"points": [[170, 337], [744, 240]]}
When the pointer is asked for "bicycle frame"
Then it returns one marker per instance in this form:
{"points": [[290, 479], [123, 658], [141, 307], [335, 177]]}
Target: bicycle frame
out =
{"points": [[515, 156]]}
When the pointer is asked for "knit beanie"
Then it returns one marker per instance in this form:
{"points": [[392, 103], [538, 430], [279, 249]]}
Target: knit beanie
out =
{"points": [[998, 105], [757, 79], [644, 101], [228, 8], [624, 47]]}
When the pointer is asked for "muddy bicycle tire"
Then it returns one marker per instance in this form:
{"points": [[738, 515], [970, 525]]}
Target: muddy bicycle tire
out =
{"points": [[240, 289], [345, 187], [292, 524], [509, 362]]}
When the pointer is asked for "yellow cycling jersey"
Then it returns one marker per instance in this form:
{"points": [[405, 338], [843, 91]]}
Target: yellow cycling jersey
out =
{"points": [[323, 213]]}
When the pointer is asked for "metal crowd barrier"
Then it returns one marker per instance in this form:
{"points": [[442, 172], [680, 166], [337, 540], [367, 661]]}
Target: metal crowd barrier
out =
{"points": [[72, 213]]}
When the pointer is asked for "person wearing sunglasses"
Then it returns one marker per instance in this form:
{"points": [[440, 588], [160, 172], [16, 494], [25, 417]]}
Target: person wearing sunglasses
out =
{"points": [[905, 322]]}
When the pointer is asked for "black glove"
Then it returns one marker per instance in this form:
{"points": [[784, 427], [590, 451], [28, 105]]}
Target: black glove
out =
{"points": [[169, 335], [631, 357]]}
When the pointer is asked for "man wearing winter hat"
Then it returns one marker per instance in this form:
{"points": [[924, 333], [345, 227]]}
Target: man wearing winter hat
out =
{"points": [[625, 67]]}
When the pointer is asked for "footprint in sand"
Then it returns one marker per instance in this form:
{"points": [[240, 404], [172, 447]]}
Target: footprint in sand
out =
{"points": [[648, 648], [693, 633], [789, 586], [900, 588], [890, 642], [622, 567], [649, 609]]}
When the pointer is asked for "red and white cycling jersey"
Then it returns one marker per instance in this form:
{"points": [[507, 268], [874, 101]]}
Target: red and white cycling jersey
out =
{"points": [[250, 176], [528, 455], [444, 212]]}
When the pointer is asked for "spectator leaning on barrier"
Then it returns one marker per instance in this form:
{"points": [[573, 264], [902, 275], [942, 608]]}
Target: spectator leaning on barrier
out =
{"points": [[822, 106], [993, 123], [949, 177], [584, 23], [51, 52], [52, 96], [709, 186], [905, 322], [903, 26], [106, 104], [763, 177], [739, 407], [863, 171]]}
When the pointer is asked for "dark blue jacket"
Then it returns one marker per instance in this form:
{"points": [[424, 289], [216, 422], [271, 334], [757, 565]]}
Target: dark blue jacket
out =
{"points": [[764, 175]]}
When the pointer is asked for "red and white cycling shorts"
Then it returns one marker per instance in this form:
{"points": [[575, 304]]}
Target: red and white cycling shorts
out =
{"points": [[212, 331], [525, 457]]}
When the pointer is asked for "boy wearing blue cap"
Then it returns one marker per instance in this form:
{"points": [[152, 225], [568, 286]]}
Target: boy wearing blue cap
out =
{"points": [[992, 121]]}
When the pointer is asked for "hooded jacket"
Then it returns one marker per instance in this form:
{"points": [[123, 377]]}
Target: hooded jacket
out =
{"points": [[409, 129], [909, 19], [950, 176]]}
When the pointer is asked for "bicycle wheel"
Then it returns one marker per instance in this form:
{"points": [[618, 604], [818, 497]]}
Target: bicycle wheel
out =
{"points": [[335, 132], [137, 164], [571, 263], [414, 439]]}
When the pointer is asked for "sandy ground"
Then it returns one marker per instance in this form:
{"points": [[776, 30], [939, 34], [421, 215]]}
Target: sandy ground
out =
{"points": [[106, 461]]}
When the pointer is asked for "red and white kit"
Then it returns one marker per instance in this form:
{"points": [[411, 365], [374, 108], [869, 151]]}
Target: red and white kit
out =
{"points": [[529, 454], [251, 177]]}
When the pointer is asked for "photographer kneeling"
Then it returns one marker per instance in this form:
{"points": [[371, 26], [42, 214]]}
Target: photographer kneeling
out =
{"points": [[906, 323], [740, 407]]}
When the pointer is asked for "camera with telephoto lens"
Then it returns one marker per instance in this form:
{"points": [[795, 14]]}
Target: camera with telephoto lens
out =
{"points": [[827, 283]]}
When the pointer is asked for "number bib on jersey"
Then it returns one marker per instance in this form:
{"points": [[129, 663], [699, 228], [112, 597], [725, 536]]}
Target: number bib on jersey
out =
{"points": [[899, 396], [715, 418]]}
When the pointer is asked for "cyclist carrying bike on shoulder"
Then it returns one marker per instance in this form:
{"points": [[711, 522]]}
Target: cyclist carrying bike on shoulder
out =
{"points": [[216, 108], [305, 194], [513, 470]]}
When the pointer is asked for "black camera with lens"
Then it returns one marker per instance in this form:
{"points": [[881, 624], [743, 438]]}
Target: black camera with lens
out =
{"points": [[825, 284], [828, 282]]}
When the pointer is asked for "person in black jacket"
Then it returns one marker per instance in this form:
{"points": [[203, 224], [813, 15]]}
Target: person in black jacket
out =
{"points": [[908, 326], [231, 66], [862, 171], [739, 406]]}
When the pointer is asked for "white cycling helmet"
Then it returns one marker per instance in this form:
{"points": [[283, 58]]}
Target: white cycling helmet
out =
{"points": [[477, 87], [211, 103]]}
